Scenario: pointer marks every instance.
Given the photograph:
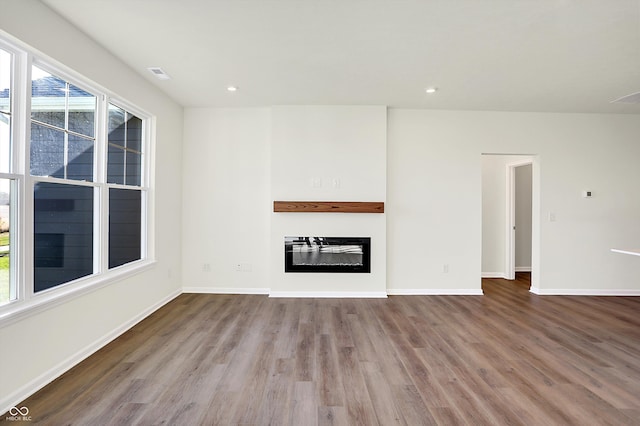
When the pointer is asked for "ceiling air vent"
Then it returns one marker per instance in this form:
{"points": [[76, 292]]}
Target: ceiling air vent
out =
{"points": [[159, 72], [633, 98]]}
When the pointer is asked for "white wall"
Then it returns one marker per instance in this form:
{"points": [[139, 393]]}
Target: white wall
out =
{"points": [[434, 197], [344, 149], [434, 200], [226, 200], [433, 194], [42, 346], [238, 161]]}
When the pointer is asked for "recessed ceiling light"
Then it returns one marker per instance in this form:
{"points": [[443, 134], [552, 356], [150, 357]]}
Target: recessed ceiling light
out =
{"points": [[159, 72], [431, 90], [232, 88]]}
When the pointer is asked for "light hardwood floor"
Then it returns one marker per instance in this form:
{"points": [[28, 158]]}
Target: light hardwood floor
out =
{"points": [[508, 357]]}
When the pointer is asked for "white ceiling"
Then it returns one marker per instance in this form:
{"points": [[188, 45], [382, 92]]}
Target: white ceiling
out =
{"points": [[508, 55]]}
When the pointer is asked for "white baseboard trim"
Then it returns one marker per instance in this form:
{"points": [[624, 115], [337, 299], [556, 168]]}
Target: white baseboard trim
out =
{"points": [[582, 292], [47, 377], [330, 294], [225, 290], [434, 292], [522, 268], [493, 275]]}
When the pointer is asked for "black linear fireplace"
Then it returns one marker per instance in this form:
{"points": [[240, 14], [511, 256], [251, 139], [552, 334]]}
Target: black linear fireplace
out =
{"points": [[327, 254]]}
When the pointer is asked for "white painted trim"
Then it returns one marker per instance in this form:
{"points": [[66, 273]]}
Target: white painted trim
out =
{"points": [[330, 294], [435, 292], [510, 215], [523, 268], [494, 275], [48, 376], [583, 292], [224, 290]]}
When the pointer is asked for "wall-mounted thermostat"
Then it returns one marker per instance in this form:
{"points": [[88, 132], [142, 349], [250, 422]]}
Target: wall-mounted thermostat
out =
{"points": [[587, 194]]}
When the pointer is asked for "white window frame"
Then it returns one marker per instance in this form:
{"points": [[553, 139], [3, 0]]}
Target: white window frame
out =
{"points": [[16, 173], [144, 180], [27, 302]]}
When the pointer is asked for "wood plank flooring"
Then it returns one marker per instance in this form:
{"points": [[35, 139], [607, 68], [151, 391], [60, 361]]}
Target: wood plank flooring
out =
{"points": [[506, 358]]}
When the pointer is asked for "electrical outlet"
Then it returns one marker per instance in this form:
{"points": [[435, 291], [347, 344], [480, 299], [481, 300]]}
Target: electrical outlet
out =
{"points": [[206, 267]]}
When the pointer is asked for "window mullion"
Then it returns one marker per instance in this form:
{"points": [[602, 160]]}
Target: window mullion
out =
{"points": [[124, 151], [65, 153], [101, 229]]}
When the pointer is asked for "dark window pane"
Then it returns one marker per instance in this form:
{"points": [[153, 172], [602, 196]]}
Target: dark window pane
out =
{"points": [[49, 250], [48, 94], [115, 166], [116, 126], [80, 166], [133, 168], [82, 109], [125, 223], [63, 234], [134, 133], [47, 151]]}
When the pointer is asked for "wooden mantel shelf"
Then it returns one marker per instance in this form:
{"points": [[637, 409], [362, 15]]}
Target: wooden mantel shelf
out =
{"points": [[327, 207]]}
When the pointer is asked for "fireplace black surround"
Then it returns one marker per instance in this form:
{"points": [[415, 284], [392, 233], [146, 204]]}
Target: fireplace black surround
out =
{"points": [[327, 254]]}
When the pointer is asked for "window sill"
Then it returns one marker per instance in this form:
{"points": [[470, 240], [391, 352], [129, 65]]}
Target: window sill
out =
{"points": [[20, 309]]}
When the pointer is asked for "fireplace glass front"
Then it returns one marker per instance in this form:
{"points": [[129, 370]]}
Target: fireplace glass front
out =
{"points": [[327, 254]]}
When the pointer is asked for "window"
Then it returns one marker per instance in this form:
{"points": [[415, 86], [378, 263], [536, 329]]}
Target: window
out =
{"points": [[125, 147], [63, 234], [125, 210], [62, 146], [7, 287], [7, 181], [73, 182], [62, 128], [124, 167], [5, 111]]}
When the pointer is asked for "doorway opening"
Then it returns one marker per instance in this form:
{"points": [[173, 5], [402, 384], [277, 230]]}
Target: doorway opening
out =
{"points": [[519, 204], [510, 224]]}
